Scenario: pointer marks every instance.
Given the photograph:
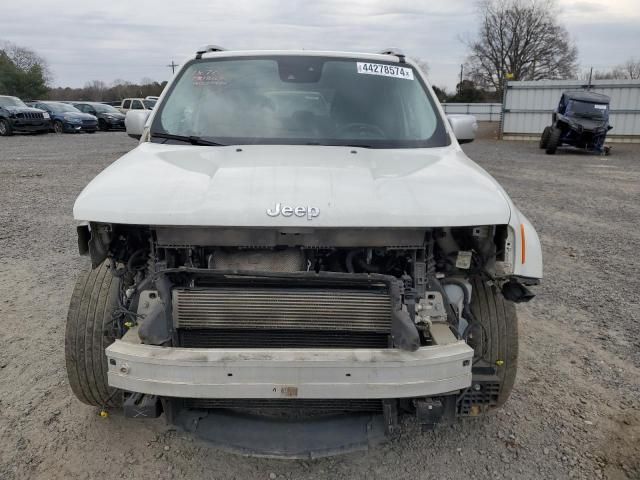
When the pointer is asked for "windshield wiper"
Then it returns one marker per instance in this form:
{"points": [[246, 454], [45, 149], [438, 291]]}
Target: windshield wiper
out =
{"points": [[358, 145], [192, 139]]}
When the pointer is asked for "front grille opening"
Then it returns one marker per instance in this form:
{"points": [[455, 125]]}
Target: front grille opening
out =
{"points": [[287, 407], [242, 338]]}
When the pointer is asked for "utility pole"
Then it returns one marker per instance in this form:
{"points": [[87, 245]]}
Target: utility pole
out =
{"points": [[460, 84], [173, 66], [590, 74]]}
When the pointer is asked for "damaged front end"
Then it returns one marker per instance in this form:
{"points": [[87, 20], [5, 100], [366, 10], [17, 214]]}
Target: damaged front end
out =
{"points": [[297, 342]]}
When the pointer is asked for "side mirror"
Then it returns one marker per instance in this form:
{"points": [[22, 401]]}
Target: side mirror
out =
{"points": [[134, 122], [464, 127]]}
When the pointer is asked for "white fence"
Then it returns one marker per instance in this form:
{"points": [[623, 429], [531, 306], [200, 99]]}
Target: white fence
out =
{"points": [[484, 112], [528, 105]]}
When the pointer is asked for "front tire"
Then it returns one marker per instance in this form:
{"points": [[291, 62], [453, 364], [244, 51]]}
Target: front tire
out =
{"points": [[94, 298], [499, 323], [554, 140], [58, 127], [102, 125], [544, 138], [5, 128]]}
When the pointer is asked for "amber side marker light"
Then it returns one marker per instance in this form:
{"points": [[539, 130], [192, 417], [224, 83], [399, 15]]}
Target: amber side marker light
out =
{"points": [[523, 244]]}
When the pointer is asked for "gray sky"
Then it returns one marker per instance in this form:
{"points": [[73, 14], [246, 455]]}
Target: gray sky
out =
{"points": [[120, 39]]}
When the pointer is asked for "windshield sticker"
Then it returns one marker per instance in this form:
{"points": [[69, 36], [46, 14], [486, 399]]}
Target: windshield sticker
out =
{"points": [[385, 70], [208, 77], [601, 107]]}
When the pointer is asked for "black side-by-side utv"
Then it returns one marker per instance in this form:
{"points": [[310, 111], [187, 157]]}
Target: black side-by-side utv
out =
{"points": [[581, 120]]}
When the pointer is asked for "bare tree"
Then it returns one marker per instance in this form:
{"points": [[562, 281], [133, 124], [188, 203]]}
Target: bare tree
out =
{"points": [[520, 40], [26, 60], [94, 90], [629, 70]]}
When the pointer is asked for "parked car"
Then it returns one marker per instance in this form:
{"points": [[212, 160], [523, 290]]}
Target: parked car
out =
{"points": [[581, 120], [136, 104], [16, 116], [66, 118], [109, 118], [334, 269]]}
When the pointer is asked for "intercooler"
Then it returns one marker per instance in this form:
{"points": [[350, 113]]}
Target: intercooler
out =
{"points": [[254, 317]]}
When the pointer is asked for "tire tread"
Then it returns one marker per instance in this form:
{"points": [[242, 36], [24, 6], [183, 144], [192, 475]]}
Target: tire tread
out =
{"points": [[92, 301], [500, 322]]}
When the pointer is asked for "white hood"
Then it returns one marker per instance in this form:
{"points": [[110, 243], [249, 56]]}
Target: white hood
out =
{"points": [[187, 185]]}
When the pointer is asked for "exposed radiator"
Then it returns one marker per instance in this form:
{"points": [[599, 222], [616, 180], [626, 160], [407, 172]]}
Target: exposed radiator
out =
{"points": [[282, 309]]}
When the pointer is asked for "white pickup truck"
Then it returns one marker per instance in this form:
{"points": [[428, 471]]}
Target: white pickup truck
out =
{"points": [[296, 255], [135, 104]]}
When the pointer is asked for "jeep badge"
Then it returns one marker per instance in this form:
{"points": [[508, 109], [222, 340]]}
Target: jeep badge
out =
{"points": [[287, 211]]}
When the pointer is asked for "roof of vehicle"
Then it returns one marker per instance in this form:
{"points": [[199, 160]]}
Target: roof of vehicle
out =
{"points": [[393, 55], [586, 96]]}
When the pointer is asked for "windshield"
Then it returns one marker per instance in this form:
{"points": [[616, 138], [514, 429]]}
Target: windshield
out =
{"points": [[103, 108], [61, 107], [587, 109], [11, 102], [149, 103], [301, 100]]}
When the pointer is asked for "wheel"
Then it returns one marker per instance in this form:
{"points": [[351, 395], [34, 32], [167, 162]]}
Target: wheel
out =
{"points": [[544, 139], [102, 125], [5, 128], [499, 323], [554, 140], [91, 131], [94, 298], [58, 127]]}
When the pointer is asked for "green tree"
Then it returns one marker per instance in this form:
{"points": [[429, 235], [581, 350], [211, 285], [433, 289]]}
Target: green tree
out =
{"points": [[441, 93], [27, 79], [468, 92], [8, 74]]}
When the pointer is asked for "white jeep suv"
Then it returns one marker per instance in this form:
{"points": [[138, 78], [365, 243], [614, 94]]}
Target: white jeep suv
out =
{"points": [[297, 254]]}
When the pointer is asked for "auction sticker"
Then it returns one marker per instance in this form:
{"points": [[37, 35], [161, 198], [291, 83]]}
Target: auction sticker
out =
{"points": [[385, 70]]}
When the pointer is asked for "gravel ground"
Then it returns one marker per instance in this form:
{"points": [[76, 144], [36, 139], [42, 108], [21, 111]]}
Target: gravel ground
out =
{"points": [[574, 413]]}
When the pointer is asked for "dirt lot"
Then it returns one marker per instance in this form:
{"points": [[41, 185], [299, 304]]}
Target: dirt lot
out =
{"points": [[575, 411]]}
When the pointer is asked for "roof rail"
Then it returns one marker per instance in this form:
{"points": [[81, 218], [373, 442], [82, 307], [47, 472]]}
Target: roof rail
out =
{"points": [[394, 51], [207, 49]]}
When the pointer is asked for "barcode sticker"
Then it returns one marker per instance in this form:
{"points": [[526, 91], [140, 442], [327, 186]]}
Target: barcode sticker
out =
{"points": [[385, 70]]}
